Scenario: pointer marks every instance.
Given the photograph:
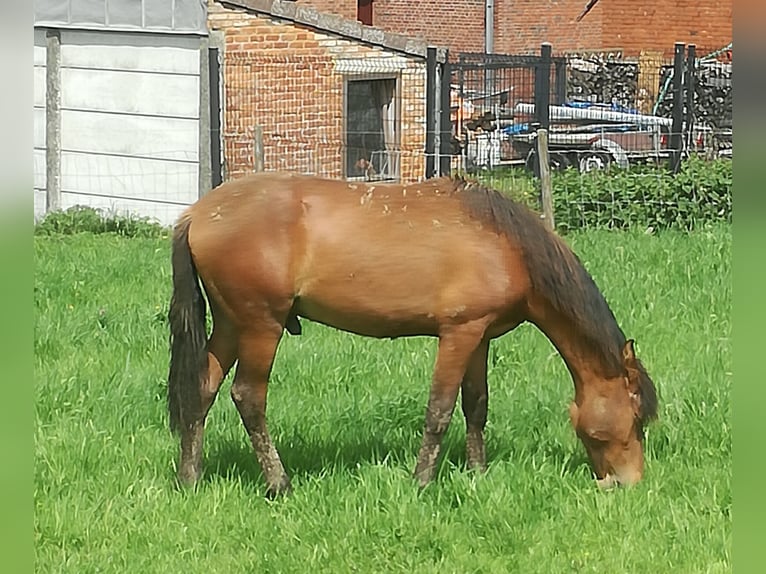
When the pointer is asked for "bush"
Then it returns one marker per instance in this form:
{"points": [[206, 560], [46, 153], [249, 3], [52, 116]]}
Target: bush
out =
{"points": [[648, 197], [82, 219]]}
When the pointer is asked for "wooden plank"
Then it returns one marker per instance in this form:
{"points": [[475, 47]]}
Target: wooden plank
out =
{"points": [[138, 52], [130, 92], [258, 150], [649, 67], [135, 136], [53, 120], [127, 177], [545, 179]]}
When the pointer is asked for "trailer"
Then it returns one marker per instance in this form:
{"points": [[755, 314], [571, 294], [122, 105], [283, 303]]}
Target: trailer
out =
{"points": [[590, 136]]}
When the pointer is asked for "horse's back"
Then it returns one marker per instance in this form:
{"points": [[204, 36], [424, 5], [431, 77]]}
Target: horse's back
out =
{"points": [[377, 259]]}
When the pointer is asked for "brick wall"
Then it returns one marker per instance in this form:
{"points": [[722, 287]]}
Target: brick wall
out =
{"points": [[283, 77], [456, 24], [345, 8], [521, 25], [657, 24]]}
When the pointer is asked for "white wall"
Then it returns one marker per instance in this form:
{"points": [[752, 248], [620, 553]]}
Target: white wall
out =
{"points": [[167, 16], [39, 123], [129, 122]]}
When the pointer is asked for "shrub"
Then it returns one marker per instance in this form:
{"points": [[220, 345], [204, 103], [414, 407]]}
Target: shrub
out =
{"points": [[649, 197], [83, 219]]}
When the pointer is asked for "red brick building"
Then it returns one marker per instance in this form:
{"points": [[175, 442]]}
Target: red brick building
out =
{"points": [[319, 92], [519, 26]]}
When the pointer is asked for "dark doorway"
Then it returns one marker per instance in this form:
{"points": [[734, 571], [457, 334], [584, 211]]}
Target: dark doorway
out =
{"points": [[364, 12]]}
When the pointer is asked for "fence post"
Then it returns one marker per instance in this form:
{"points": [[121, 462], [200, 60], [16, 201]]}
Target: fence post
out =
{"points": [[258, 153], [53, 120], [205, 175], [542, 93], [431, 117], [546, 197], [561, 83], [676, 139], [445, 137], [543, 86], [214, 69], [691, 80]]}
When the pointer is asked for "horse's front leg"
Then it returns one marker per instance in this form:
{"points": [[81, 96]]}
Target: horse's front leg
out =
{"points": [[457, 344]]}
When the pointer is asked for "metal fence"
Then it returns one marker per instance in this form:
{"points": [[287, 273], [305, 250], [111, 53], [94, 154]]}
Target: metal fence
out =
{"points": [[604, 109]]}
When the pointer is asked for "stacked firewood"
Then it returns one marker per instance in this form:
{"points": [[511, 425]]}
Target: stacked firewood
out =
{"points": [[713, 104], [604, 78], [713, 95]]}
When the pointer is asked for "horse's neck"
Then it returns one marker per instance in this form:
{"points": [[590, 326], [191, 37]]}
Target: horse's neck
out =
{"points": [[584, 362]]}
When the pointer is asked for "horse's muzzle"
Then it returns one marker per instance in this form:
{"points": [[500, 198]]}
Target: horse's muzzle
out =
{"points": [[610, 481]]}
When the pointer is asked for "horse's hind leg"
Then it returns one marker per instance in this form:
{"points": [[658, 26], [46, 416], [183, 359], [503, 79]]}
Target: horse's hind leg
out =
{"points": [[474, 397], [455, 350], [257, 348], [222, 352]]}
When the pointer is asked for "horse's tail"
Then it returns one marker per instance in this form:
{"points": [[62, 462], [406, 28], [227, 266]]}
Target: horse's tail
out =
{"points": [[188, 336]]}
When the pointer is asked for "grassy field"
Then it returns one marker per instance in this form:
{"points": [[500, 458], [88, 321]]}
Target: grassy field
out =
{"points": [[346, 414]]}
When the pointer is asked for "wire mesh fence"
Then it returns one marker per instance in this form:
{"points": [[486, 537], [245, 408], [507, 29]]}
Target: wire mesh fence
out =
{"points": [[159, 183], [610, 136], [605, 108], [649, 196]]}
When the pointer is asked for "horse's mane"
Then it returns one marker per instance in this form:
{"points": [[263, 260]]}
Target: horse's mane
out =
{"points": [[559, 276]]}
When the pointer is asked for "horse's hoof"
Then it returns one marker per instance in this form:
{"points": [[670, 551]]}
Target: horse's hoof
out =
{"points": [[188, 477], [422, 480], [187, 482], [284, 488], [477, 467]]}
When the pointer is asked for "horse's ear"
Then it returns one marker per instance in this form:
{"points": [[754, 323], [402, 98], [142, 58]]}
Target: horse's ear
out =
{"points": [[632, 382], [628, 352]]}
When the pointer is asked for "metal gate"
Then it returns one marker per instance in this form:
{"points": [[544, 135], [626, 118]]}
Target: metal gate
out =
{"points": [[485, 92]]}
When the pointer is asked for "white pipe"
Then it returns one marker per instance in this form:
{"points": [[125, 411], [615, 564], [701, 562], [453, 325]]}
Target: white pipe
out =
{"points": [[597, 114], [489, 26]]}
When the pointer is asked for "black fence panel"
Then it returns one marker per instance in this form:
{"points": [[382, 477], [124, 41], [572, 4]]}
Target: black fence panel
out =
{"points": [[604, 109]]}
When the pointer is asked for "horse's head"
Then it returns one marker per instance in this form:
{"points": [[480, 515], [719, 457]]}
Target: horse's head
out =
{"points": [[609, 417]]}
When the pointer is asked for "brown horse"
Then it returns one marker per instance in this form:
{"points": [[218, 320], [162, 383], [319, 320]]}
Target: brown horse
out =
{"points": [[445, 258]]}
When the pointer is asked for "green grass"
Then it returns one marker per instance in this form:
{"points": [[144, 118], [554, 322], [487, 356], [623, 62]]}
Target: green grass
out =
{"points": [[346, 414]]}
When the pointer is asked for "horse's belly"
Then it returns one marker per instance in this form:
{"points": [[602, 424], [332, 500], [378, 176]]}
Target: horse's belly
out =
{"points": [[373, 314]]}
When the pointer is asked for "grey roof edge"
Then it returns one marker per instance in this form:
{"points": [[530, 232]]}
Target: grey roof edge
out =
{"points": [[121, 29], [338, 25]]}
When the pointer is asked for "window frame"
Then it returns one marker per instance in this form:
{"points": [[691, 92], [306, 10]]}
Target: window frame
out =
{"points": [[372, 77]]}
